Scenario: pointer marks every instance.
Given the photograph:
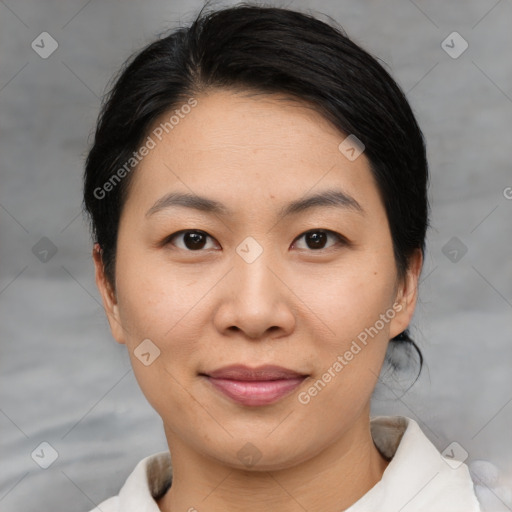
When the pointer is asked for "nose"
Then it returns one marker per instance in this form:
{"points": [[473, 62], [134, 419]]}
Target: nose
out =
{"points": [[255, 300]]}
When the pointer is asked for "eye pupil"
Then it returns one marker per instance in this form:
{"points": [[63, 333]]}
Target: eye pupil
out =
{"points": [[318, 239], [197, 240]]}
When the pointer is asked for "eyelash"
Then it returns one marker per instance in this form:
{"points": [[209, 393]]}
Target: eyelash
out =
{"points": [[341, 239]]}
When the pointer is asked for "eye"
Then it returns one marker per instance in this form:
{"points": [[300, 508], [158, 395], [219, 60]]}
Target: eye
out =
{"points": [[196, 240], [193, 240], [316, 238]]}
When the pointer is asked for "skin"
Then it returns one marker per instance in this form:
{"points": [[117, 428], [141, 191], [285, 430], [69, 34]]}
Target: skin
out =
{"points": [[296, 306]]}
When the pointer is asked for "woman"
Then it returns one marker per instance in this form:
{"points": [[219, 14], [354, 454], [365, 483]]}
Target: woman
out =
{"points": [[258, 194]]}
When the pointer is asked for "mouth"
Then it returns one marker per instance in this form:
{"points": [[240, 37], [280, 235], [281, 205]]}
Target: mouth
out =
{"points": [[254, 386]]}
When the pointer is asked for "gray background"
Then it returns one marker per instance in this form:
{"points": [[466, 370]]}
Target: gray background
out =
{"points": [[65, 381]]}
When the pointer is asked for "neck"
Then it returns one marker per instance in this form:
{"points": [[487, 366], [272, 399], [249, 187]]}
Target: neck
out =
{"points": [[328, 482]]}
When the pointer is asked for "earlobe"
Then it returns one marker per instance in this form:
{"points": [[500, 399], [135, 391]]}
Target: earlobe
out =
{"points": [[108, 295]]}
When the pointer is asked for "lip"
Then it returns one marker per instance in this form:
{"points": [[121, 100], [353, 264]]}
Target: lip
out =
{"points": [[255, 386], [246, 373]]}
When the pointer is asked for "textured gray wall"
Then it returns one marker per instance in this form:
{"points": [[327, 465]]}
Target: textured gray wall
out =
{"points": [[66, 382]]}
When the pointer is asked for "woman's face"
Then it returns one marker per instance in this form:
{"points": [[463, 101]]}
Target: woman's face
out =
{"points": [[254, 288]]}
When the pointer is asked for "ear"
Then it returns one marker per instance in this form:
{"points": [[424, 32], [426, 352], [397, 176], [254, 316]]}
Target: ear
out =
{"points": [[407, 295], [108, 296]]}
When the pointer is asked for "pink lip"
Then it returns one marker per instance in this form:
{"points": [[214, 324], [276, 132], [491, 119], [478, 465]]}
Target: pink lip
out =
{"points": [[255, 386]]}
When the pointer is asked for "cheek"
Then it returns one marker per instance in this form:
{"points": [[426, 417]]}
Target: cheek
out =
{"points": [[352, 346], [163, 308], [351, 296], [166, 311], [151, 299], [351, 353]]}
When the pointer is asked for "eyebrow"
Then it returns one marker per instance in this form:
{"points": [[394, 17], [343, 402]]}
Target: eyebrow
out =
{"points": [[327, 198]]}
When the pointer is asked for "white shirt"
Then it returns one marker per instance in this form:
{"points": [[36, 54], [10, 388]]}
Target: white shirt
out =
{"points": [[417, 479]]}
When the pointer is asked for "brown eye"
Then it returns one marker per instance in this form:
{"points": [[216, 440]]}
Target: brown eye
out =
{"points": [[317, 239], [192, 240]]}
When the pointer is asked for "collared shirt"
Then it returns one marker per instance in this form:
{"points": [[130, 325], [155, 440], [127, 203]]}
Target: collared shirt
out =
{"points": [[417, 479]]}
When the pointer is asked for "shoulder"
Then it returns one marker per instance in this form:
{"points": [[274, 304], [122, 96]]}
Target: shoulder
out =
{"points": [[418, 477], [109, 505], [145, 484]]}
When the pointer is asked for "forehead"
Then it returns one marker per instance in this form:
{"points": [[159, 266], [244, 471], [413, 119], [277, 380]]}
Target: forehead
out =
{"points": [[244, 123], [243, 147]]}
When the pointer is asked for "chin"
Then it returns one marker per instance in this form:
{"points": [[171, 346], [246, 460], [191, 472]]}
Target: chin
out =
{"points": [[260, 454]]}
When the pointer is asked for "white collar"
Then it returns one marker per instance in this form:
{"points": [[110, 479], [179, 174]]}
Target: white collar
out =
{"points": [[417, 479]]}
